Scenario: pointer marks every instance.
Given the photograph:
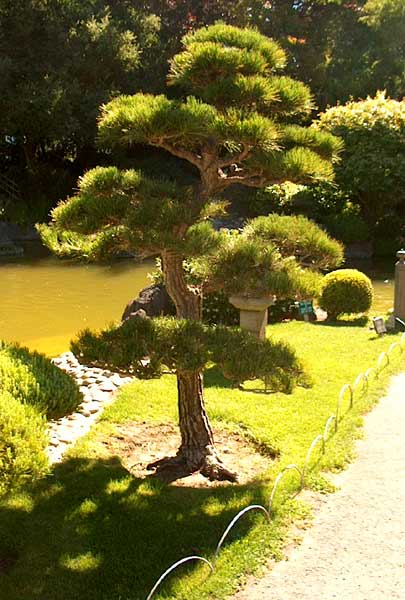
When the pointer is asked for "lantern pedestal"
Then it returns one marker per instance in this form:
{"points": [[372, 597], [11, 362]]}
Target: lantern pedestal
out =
{"points": [[253, 313]]}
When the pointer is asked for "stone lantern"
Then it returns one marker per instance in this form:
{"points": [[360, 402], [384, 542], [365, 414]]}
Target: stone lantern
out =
{"points": [[253, 313], [399, 303]]}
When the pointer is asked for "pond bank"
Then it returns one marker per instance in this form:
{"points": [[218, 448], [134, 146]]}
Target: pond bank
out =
{"points": [[98, 387]]}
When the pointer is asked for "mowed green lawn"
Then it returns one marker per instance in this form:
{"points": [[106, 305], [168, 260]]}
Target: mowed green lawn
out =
{"points": [[92, 531]]}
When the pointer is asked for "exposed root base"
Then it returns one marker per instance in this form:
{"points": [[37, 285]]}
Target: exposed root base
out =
{"points": [[176, 467], [214, 470]]}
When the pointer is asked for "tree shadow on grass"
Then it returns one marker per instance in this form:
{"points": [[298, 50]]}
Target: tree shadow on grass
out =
{"points": [[213, 377], [356, 322], [93, 531]]}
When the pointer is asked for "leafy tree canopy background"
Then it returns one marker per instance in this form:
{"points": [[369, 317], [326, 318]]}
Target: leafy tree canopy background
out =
{"points": [[60, 59]]}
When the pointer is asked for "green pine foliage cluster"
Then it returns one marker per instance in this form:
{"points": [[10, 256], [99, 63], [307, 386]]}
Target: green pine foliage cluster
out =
{"points": [[146, 346], [346, 291], [246, 126], [49, 109]]}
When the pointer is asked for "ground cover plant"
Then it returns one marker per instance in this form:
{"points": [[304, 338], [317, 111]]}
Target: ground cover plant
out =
{"points": [[23, 441], [31, 378], [94, 530], [32, 389]]}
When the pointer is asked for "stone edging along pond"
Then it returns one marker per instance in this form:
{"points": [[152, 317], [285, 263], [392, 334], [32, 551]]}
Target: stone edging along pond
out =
{"points": [[98, 387]]}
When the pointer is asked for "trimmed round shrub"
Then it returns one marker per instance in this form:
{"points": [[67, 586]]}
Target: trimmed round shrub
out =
{"points": [[31, 378], [23, 440], [346, 291]]}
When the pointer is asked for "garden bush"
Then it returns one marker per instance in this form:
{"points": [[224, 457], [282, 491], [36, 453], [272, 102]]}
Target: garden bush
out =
{"points": [[23, 441], [218, 310], [31, 378], [371, 166], [345, 291]]}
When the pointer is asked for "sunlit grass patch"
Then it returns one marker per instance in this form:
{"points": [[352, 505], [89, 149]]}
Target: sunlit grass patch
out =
{"points": [[93, 530]]}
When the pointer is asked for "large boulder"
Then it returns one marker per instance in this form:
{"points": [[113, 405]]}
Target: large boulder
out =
{"points": [[153, 301]]}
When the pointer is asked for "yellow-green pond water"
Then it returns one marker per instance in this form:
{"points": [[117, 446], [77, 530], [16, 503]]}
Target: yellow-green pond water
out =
{"points": [[44, 302]]}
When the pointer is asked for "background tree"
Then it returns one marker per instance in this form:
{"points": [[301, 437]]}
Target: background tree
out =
{"points": [[60, 60], [386, 21], [371, 169], [235, 129], [328, 44]]}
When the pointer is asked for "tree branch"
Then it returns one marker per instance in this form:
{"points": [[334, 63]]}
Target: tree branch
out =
{"points": [[254, 180], [180, 152], [242, 155]]}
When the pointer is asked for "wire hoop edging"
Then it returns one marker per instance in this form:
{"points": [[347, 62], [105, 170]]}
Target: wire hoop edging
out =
{"points": [[232, 523], [278, 479], [173, 567], [311, 449], [380, 360], [342, 392], [393, 346], [327, 427], [361, 377], [368, 373]]}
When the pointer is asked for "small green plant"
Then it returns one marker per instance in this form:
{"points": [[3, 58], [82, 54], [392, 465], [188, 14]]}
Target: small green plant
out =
{"points": [[32, 379], [346, 291], [23, 441], [218, 310]]}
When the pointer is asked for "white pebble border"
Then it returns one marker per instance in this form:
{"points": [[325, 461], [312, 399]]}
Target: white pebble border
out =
{"points": [[98, 387]]}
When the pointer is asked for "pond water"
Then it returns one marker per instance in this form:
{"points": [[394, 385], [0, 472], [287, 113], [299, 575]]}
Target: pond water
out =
{"points": [[46, 301]]}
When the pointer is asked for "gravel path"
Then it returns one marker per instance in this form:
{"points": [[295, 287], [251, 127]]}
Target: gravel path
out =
{"points": [[356, 547]]}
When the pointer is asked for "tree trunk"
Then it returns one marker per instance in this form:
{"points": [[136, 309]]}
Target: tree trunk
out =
{"points": [[187, 300], [195, 429], [197, 451]]}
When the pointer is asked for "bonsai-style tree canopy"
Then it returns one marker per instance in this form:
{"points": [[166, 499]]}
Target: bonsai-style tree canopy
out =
{"points": [[235, 127]]}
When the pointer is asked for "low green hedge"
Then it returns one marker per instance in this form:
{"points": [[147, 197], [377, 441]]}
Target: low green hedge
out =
{"points": [[32, 379], [23, 440]]}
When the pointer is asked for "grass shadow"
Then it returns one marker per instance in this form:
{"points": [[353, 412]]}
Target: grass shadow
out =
{"points": [[93, 531], [356, 322], [213, 377]]}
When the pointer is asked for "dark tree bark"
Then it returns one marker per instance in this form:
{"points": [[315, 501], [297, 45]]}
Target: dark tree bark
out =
{"points": [[187, 299], [197, 450]]}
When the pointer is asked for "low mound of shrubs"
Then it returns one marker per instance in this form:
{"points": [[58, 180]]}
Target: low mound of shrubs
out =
{"points": [[31, 378], [23, 440], [346, 291]]}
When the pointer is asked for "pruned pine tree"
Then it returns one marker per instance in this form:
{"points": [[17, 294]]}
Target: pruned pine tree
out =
{"points": [[235, 127]]}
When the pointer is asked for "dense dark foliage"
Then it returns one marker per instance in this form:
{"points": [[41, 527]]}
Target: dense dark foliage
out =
{"points": [[60, 60], [85, 53]]}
